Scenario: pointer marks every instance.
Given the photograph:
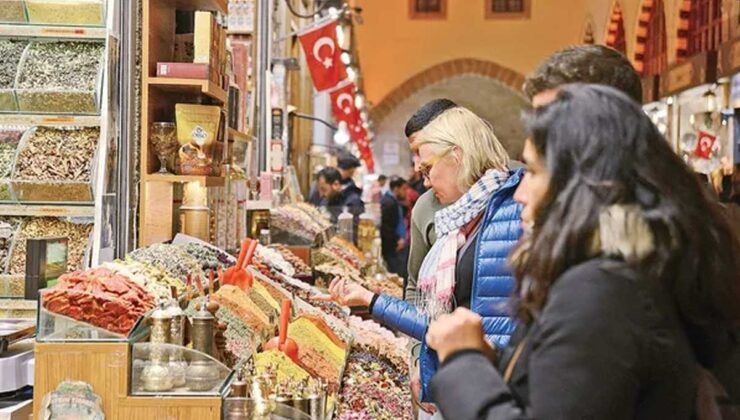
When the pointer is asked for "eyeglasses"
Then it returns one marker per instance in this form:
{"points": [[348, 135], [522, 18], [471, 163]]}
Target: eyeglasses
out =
{"points": [[425, 168]]}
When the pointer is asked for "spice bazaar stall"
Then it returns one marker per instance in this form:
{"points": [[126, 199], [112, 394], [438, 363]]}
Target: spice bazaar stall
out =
{"points": [[195, 337]]}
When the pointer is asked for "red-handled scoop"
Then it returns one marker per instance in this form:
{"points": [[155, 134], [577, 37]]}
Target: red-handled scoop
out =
{"points": [[237, 275], [282, 343]]}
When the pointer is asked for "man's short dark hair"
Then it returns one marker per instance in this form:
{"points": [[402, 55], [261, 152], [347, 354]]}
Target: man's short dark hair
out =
{"points": [[397, 182], [585, 64], [424, 115], [330, 175], [382, 178]]}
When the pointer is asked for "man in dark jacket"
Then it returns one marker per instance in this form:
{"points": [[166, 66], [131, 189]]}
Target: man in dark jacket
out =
{"points": [[335, 196], [393, 227]]}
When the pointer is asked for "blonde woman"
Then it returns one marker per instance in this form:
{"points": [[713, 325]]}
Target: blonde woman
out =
{"points": [[466, 167]]}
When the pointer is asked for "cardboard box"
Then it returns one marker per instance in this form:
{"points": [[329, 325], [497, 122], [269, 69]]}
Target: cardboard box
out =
{"points": [[183, 70]]}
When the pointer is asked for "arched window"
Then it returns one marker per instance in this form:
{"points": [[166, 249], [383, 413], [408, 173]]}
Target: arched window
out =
{"points": [[616, 38], [705, 26], [652, 51]]}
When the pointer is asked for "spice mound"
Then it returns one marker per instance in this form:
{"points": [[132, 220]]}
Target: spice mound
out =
{"points": [[170, 258], [235, 300], [99, 297], [317, 353], [277, 363]]}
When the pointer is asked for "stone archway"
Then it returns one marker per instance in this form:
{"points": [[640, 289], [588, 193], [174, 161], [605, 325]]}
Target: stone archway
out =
{"points": [[488, 89]]}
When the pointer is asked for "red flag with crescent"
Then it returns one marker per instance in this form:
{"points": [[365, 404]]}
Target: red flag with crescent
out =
{"points": [[704, 144], [343, 104], [323, 55]]}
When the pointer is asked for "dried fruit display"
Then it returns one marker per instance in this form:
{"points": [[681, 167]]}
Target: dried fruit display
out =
{"points": [[99, 297], [210, 258], [373, 388], [78, 235], [171, 258], [12, 11], [11, 52], [60, 77], [296, 222], [314, 214], [156, 282], [66, 12], [274, 259], [300, 267], [347, 251], [373, 336]]}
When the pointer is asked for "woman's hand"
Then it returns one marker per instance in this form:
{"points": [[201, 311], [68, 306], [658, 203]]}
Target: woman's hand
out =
{"points": [[347, 293], [460, 330]]}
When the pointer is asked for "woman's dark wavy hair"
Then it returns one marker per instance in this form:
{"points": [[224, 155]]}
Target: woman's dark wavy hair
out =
{"points": [[600, 149]]}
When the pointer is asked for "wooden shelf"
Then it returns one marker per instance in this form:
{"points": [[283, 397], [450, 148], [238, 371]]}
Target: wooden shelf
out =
{"points": [[213, 5], [206, 181], [45, 31], [192, 86], [47, 209], [39, 119], [235, 135]]}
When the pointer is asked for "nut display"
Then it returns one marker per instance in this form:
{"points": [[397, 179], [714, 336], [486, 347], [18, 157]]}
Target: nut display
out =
{"points": [[78, 234], [99, 297], [66, 12], [12, 11], [11, 52], [60, 77], [155, 281], [208, 257]]}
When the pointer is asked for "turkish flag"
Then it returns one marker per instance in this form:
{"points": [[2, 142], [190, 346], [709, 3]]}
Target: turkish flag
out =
{"points": [[356, 131], [704, 144], [343, 104], [323, 55]]}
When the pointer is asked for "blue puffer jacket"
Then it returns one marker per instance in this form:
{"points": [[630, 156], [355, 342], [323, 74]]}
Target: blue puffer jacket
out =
{"points": [[492, 283]]}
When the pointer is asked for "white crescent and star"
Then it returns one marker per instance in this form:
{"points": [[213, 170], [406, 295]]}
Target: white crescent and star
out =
{"points": [[345, 98], [321, 43]]}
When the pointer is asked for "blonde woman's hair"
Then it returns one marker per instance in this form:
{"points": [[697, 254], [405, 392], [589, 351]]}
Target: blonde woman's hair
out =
{"points": [[479, 148]]}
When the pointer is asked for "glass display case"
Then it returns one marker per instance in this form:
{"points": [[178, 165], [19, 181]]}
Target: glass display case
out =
{"points": [[172, 370], [53, 327]]}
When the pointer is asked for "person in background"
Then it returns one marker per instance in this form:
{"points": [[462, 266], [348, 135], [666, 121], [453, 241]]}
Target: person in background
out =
{"points": [[624, 291], [393, 229], [466, 167], [347, 165], [378, 189], [314, 197], [335, 197], [422, 214]]}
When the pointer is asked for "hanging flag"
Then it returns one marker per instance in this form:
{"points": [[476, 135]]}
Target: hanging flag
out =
{"points": [[343, 104], [356, 131], [704, 144], [323, 55]]}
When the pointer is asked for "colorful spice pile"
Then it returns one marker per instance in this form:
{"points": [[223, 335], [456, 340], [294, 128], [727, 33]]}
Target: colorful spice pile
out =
{"points": [[318, 354], [276, 362], [241, 343], [374, 388], [99, 297], [239, 303], [157, 282]]}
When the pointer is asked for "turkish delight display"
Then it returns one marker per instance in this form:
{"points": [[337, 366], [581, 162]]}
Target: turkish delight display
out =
{"points": [[60, 77], [99, 297], [173, 259], [67, 12], [12, 11], [55, 164], [347, 251], [78, 235], [296, 222], [11, 51], [299, 266], [314, 214], [157, 282]]}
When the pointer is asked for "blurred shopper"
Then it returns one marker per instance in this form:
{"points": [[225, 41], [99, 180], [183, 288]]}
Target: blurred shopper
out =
{"points": [[380, 186], [393, 231], [466, 167], [335, 196], [624, 289]]}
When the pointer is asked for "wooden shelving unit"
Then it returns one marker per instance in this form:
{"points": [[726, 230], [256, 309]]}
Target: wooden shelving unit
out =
{"points": [[159, 96]]}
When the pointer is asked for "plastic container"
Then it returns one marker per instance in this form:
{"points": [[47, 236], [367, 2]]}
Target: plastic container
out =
{"points": [[346, 225], [57, 100], [12, 11], [67, 12]]}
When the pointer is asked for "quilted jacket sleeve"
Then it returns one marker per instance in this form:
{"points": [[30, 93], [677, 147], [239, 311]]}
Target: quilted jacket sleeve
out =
{"points": [[400, 315]]}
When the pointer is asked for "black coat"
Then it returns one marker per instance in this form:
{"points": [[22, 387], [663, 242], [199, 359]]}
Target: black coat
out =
{"points": [[390, 210], [607, 345]]}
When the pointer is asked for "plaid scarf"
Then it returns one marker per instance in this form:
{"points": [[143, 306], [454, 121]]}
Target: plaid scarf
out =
{"points": [[437, 273]]}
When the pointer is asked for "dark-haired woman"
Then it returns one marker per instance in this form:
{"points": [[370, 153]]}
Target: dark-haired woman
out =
{"points": [[628, 280]]}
